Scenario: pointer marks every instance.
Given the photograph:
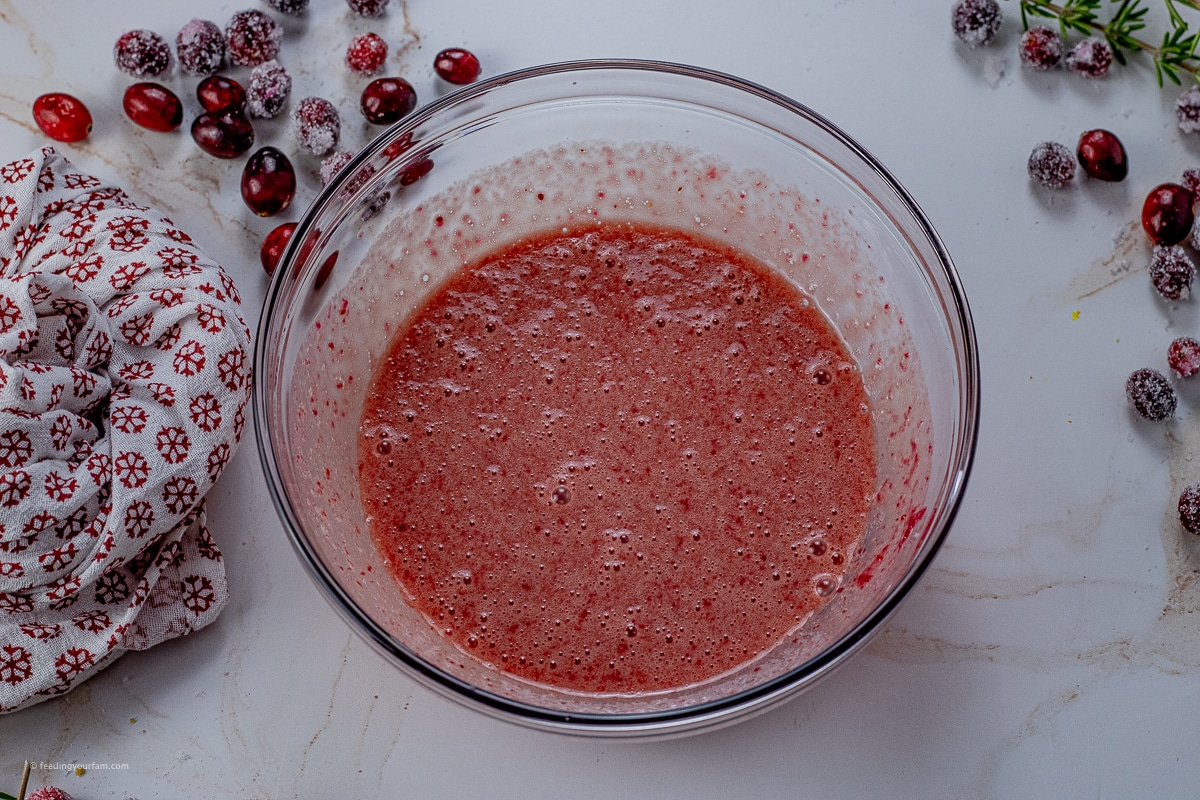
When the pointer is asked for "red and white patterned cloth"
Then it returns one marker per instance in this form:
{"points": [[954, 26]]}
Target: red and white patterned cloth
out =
{"points": [[124, 377]]}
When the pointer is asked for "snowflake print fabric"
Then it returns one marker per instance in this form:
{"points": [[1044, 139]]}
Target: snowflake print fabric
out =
{"points": [[124, 376]]}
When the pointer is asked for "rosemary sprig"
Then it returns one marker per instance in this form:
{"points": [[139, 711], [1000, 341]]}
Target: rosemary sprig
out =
{"points": [[1173, 57]]}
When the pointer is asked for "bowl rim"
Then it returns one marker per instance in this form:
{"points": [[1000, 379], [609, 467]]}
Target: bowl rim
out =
{"points": [[687, 718]]}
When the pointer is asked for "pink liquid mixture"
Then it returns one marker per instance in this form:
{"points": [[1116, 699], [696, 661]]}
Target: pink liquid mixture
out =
{"points": [[618, 459]]}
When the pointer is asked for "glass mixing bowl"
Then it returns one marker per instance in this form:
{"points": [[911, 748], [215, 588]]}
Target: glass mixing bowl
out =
{"points": [[675, 146]]}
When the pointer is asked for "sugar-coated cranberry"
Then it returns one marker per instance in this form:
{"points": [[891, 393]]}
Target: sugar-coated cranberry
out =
{"points": [[292, 7], [1183, 356], [367, 8], [1091, 57], [153, 106], [333, 164], [316, 125], [48, 793], [456, 65], [268, 182], [270, 87], [1191, 181], [201, 47], [1167, 214], [1041, 48], [224, 133], [1189, 508], [1052, 165], [62, 117], [1102, 155], [1150, 394], [1187, 110], [366, 54], [976, 22], [217, 92], [387, 100], [274, 245], [1171, 272], [142, 54], [252, 37]]}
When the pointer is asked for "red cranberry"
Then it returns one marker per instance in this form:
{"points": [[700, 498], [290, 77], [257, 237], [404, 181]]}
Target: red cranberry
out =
{"points": [[1167, 214], [218, 92], [457, 65], [48, 793], [142, 54], [386, 100], [415, 171], [252, 37], [325, 271], [1041, 48], [1102, 156], [976, 22], [62, 117], [201, 47], [367, 8], [366, 54], [1051, 165], [1150, 394], [153, 106], [268, 182], [293, 7], [224, 133], [1189, 508], [274, 245], [1183, 356]]}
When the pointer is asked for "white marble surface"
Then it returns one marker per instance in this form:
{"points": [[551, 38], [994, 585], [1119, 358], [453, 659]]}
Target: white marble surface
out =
{"points": [[1053, 650]]}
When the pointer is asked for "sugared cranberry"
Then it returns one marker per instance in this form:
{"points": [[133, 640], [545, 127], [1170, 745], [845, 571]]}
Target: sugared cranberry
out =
{"points": [[1191, 182], [976, 22], [1102, 155], [252, 37], [1189, 508], [224, 133], [1167, 214], [217, 92], [333, 164], [1091, 57], [201, 47], [274, 245], [1187, 110], [366, 54], [48, 793], [387, 100], [292, 7], [367, 8], [456, 65], [153, 106], [1171, 272], [1052, 165], [142, 54], [316, 125], [270, 87], [268, 182], [1183, 356], [1041, 48], [1150, 394], [62, 117]]}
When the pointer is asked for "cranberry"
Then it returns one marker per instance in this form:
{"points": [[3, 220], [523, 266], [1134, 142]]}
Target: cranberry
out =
{"points": [[153, 106], [1041, 48], [325, 271], [1183, 356], [224, 133], [1187, 110], [1171, 272], [48, 793], [367, 8], [293, 7], [274, 245], [366, 54], [333, 164], [218, 92], [252, 37], [1191, 182], [1091, 57], [1167, 214], [1052, 165], [201, 47], [456, 65], [976, 22], [62, 117], [1150, 394], [316, 125], [386, 100], [142, 54], [1189, 508], [268, 182], [270, 87], [1102, 155], [415, 171]]}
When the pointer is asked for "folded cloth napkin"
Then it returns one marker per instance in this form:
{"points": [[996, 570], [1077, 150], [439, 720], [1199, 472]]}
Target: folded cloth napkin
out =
{"points": [[124, 376]]}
